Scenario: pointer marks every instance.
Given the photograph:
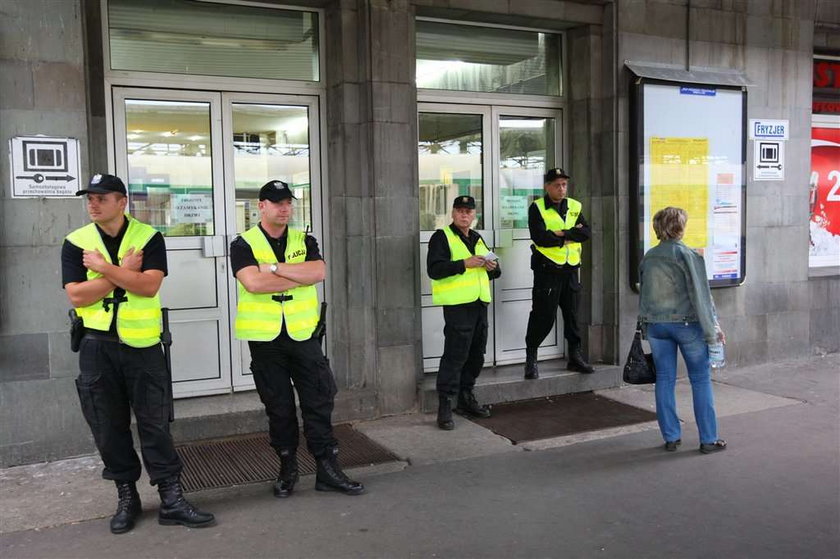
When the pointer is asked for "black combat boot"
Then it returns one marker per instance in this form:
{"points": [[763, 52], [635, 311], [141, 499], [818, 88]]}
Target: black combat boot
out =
{"points": [[129, 507], [577, 362], [469, 407], [175, 509], [531, 370], [330, 476], [288, 476], [444, 417]]}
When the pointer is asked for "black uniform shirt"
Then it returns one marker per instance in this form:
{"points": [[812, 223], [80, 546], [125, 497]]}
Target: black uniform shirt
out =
{"points": [[241, 255], [545, 238], [439, 263], [73, 270]]}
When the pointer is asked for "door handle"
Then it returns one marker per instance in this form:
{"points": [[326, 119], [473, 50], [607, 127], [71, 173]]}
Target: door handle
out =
{"points": [[213, 247]]}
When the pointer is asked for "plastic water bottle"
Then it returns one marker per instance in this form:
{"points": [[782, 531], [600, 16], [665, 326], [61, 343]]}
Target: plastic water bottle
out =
{"points": [[717, 355]]}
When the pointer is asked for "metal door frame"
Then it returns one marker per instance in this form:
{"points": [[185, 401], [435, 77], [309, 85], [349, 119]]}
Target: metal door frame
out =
{"points": [[241, 376], [521, 234], [221, 384]]}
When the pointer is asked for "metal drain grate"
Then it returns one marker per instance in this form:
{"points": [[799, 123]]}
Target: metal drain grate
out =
{"points": [[250, 458]]}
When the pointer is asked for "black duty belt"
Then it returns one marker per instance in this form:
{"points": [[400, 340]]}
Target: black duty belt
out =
{"points": [[101, 337], [282, 298]]}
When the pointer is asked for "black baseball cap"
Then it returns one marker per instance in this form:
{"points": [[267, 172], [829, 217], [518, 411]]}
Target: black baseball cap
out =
{"points": [[274, 191], [554, 174], [103, 184], [464, 202]]}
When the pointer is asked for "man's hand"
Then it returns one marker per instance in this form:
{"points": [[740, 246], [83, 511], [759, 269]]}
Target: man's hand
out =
{"points": [[94, 261], [491, 265], [559, 233], [474, 262], [132, 260], [266, 268]]}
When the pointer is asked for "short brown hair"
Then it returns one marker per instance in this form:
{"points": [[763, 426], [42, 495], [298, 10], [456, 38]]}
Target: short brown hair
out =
{"points": [[669, 223]]}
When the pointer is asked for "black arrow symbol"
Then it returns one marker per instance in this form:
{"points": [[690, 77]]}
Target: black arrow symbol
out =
{"points": [[67, 178]]}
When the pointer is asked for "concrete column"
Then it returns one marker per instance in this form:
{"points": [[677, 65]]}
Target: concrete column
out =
{"points": [[373, 200]]}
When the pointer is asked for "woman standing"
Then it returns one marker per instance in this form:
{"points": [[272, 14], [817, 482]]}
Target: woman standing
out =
{"points": [[677, 311]]}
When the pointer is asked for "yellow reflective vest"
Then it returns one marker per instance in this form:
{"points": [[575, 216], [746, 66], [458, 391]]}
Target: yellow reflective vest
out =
{"points": [[472, 285], [259, 317], [138, 318], [569, 253]]}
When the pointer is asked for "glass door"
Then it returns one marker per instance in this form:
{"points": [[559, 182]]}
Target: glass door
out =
{"points": [[528, 142], [194, 163], [272, 139], [168, 150], [452, 152], [499, 156]]}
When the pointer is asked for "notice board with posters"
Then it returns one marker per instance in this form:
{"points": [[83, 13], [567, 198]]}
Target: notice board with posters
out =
{"points": [[688, 149], [824, 220]]}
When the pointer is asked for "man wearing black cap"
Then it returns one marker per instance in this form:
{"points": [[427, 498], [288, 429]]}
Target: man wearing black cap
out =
{"points": [[276, 268], [461, 267], [112, 270], [557, 229]]}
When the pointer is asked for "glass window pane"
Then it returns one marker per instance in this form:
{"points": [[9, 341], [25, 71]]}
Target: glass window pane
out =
{"points": [[471, 58], [450, 160], [170, 176], [527, 149], [184, 37], [270, 142]]}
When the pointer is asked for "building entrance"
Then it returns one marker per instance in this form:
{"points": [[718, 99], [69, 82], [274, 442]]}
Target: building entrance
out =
{"points": [[498, 155], [193, 162]]}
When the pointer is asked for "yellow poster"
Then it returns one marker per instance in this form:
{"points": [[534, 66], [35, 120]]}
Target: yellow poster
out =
{"points": [[679, 175]]}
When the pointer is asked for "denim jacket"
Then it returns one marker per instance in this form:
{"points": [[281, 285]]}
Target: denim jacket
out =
{"points": [[674, 287]]}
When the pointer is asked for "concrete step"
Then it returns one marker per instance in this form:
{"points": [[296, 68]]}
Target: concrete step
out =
{"points": [[240, 413], [507, 383]]}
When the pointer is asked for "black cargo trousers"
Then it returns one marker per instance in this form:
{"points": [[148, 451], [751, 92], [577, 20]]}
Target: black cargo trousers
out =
{"points": [[465, 341], [279, 364], [115, 379]]}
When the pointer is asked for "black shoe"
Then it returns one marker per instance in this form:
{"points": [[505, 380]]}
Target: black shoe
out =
{"points": [[531, 370], [129, 507], [577, 362], [469, 407], [717, 446], [330, 477], [288, 476], [175, 509], [444, 415], [671, 446]]}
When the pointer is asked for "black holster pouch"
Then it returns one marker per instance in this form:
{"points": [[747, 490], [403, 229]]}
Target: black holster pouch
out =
{"points": [[77, 331]]}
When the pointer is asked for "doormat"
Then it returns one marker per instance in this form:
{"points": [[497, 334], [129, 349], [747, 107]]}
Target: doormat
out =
{"points": [[250, 458], [556, 416]]}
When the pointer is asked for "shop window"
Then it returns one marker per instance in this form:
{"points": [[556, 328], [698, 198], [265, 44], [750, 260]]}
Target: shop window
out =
{"points": [[486, 59], [185, 37]]}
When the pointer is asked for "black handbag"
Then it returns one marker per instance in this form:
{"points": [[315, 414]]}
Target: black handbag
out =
{"points": [[639, 368]]}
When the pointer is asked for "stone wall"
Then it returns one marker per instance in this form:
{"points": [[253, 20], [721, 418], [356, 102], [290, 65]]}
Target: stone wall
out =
{"points": [[772, 315], [42, 91]]}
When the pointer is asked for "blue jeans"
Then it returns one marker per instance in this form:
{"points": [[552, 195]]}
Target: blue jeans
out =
{"points": [[664, 338]]}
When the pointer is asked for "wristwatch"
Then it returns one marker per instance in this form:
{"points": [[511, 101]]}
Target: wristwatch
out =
{"points": [[273, 269]]}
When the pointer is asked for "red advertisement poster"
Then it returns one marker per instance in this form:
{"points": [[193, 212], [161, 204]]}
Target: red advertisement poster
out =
{"points": [[825, 196]]}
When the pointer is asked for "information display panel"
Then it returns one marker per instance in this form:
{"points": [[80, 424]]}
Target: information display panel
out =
{"points": [[688, 150]]}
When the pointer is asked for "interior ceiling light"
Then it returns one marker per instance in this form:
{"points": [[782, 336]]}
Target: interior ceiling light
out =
{"points": [[522, 123]]}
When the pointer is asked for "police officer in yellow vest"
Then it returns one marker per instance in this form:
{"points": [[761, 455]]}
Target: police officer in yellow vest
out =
{"points": [[276, 268], [557, 229], [112, 270], [461, 267]]}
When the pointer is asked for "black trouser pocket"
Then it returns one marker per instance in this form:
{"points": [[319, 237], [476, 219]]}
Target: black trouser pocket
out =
{"points": [[88, 398], [326, 380]]}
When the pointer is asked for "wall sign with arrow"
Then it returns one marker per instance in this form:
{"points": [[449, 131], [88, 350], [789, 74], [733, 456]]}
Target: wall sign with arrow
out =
{"points": [[44, 167]]}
